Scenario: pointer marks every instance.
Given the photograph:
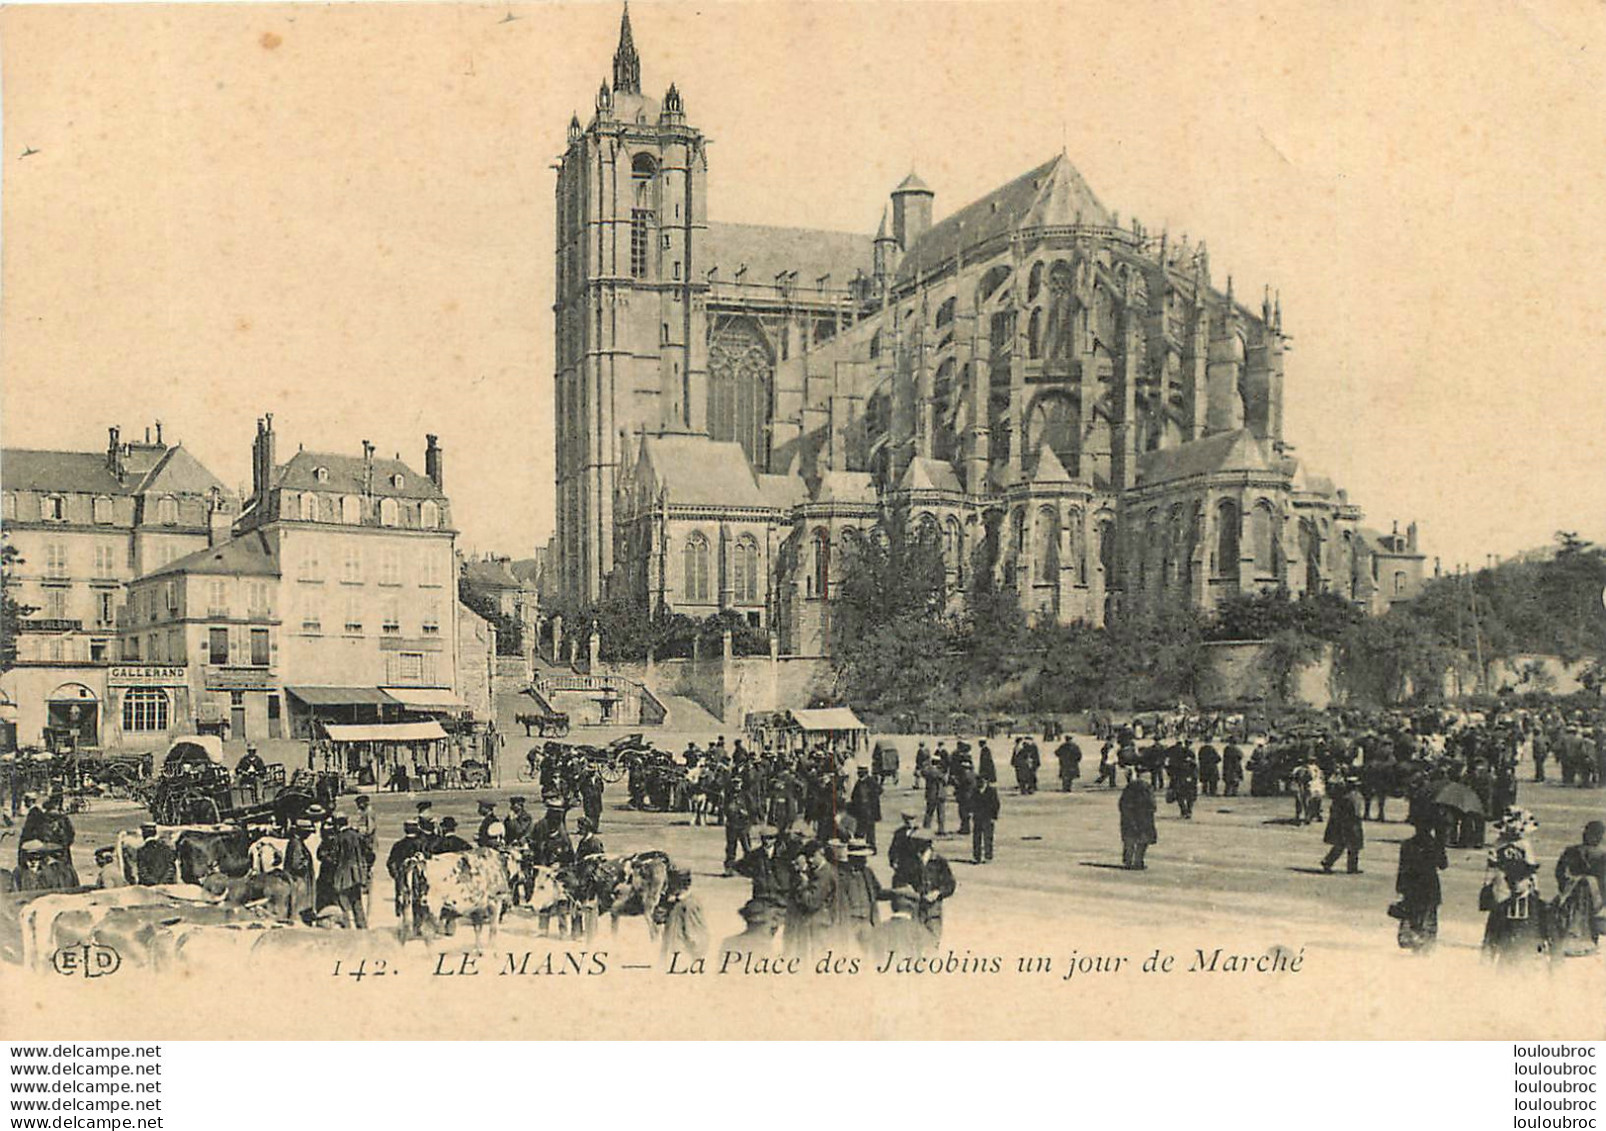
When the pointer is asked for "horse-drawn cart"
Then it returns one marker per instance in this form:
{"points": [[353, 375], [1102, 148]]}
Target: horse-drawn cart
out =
{"points": [[196, 788], [543, 724]]}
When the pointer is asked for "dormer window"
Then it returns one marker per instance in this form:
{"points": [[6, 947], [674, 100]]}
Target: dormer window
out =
{"points": [[54, 508], [103, 509], [389, 513], [167, 511], [398, 481], [321, 474]]}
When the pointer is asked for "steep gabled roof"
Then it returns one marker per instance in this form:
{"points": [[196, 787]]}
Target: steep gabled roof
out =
{"points": [[783, 492], [249, 555], [1053, 193], [1225, 451], [1049, 467], [767, 252], [26, 469], [697, 471], [346, 476], [493, 574], [179, 473], [854, 487], [924, 474]]}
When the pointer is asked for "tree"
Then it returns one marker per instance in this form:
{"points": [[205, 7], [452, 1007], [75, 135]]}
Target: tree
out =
{"points": [[12, 611]]}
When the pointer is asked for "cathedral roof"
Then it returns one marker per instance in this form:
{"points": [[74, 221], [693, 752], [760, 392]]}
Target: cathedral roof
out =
{"points": [[767, 252], [845, 487], [697, 471], [1049, 467], [924, 474], [1225, 451], [783, 492], [1053, 193]]}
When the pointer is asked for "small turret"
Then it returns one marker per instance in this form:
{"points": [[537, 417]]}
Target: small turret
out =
{"points": [[911, 210]]}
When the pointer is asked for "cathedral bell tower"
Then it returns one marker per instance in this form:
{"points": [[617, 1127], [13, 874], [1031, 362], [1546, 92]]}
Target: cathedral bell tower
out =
{"points": [[629, 320]]}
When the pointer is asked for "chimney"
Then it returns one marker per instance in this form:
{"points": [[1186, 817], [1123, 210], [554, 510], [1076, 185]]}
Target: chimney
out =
{"points": [[114, 452], [1410, 537], [432, 462], [262, 457], [158, 433], [219, 519], [367, 468]]}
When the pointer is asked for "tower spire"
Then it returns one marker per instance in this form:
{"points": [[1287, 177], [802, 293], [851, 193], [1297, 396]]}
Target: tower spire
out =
{"points": [[626, 63]]}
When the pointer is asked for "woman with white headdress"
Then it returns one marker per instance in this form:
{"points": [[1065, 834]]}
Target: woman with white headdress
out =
{"points": [[1515, 930]]}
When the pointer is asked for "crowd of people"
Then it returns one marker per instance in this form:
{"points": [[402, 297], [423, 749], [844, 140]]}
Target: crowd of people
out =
{"points": [[801, 821]]}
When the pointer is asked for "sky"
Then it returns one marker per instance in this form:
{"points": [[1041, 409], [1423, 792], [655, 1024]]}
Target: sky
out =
{"points": [[343, 215]]}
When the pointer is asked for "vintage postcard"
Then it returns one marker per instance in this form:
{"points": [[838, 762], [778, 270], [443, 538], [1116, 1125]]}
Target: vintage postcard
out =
{"points": [[896, 520]]}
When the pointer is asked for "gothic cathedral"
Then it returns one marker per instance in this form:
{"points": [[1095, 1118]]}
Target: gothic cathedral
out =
{"points": [[1028, 377]]}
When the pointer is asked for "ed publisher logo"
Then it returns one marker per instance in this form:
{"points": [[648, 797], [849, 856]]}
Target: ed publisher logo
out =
{"points": [[87, 960]]}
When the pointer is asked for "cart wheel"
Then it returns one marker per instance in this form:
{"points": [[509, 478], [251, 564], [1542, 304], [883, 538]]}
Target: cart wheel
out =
{"points": [[611, 772], [562, 730]]}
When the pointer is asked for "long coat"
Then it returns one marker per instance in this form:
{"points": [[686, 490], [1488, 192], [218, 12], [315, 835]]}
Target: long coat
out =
{"points": [[866, 804], [1344, 828], [1422, 858], [1137, 813]]}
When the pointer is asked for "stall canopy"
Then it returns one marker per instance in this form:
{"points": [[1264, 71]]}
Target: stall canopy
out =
{"points": [[341, 696], [385, 732], [426, 698], [828, 718]]}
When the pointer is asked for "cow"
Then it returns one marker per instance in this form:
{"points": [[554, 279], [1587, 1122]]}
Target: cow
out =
{"points": [[148, 937], [37, 918], [271, 889], [439, 890], [202, 853], [634, 885]]}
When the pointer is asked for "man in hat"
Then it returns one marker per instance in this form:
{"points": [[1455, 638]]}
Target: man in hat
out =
{"points": [[900, 935], [763, 921], [1232, 768], [345, 871], [107, 873], [1069, 757], [549, 839], [426, 820], [1209, 770], [936, 792], [1026, 761], [933, 882], [767, 868], [155, 862], [962, 774], [984, 819], [738, 815], [299, 866], [520, 823], [865, 805], [901, 854], [34, 825], [986, 768], [1137, 822], [858, 893], [488, 817], [411, 845], [449, 841], [1344, 834], [251, 766]]}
